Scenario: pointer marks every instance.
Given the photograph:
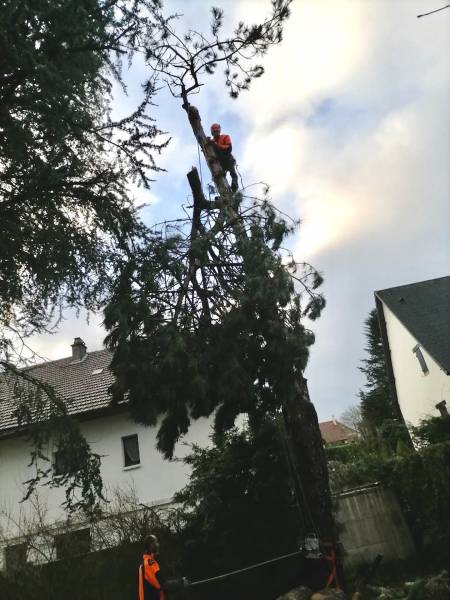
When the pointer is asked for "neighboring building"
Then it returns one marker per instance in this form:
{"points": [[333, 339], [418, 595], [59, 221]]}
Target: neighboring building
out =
{"points": [[129, 459], [415, 329], [335, 433]]}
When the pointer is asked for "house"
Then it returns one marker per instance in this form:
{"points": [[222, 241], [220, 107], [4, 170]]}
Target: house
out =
{"points": [[333, 433], [129, 460], [415, 328]]}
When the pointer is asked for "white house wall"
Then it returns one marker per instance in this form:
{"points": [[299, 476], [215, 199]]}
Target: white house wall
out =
{"points": [[153, 480], [417, 393]]}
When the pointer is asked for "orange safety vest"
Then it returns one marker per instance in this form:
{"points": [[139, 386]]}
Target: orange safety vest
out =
{"points": [[149, 586], [223, 141]]}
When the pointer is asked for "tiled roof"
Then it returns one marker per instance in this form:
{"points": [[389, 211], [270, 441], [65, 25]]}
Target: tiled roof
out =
{"points": [[85, 392], [424, 309], [334, 432], [82, 390]]}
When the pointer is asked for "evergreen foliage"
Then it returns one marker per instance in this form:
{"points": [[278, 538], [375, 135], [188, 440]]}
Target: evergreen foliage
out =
{"points": [[239, 507], [420, 478], [218, 328], [65, 167], [65, 164], [228, 340], [183, 60], [202, 317], [432, 431], [377, 402], [202, 308]]}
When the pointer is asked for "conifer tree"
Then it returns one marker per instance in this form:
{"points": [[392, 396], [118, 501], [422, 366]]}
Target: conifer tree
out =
{"points": [[377, 402], [234, 500], [207, 317], [204, 315], [65, 163], [65, 211]]}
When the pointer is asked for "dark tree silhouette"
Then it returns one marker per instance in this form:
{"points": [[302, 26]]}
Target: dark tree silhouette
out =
{"points": [[65, 164], [377, 402], [65, 167], [206, 316]]}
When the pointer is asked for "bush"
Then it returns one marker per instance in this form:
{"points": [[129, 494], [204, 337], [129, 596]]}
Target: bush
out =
{"points": [[421, 480], [432, 431]]}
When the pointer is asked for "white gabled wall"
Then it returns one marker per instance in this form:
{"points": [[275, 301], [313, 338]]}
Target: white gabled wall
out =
{"points": [[155, 479], [417, 393]]}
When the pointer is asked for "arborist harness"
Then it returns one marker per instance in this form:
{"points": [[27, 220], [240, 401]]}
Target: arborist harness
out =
{"points": [[217, 154], [211, 188]]}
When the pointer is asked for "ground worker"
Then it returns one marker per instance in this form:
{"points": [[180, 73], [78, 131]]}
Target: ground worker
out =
{"points": [[222, 147], [152, 583]]}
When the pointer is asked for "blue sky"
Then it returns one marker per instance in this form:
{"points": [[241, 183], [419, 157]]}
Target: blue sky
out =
{"points": [[350, 128]]}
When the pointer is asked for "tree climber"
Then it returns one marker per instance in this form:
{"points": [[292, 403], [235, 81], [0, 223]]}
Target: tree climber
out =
{"points": [[222, 147]]}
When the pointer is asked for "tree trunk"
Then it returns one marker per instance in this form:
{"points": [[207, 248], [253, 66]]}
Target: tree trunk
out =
{"points": [[307, 455], [208, 151]]}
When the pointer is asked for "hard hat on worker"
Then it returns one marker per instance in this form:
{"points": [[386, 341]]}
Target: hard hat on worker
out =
{"points": [[215, 128]]}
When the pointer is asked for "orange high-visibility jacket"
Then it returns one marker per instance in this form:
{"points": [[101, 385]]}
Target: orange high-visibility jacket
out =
{"points": [[223, 142], [150, 583]]}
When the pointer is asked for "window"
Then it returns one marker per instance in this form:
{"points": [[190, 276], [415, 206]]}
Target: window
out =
{"points": [[59, 464], [423, 365], [73, 543], [63, 463], [15, 556], [131, 450]]}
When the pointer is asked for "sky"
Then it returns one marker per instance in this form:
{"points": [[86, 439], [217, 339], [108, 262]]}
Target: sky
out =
{"points": [[350, 128]]}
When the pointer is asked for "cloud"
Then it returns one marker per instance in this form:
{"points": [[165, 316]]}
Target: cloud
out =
{"points": [[343, 120], [349, 125], [58, 344], [323, 44]]}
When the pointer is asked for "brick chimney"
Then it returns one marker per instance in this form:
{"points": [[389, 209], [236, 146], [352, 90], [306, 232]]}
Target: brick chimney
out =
{"points": [[78, 350]]}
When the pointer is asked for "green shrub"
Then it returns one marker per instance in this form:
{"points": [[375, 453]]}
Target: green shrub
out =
{"points": [[421, 480]]}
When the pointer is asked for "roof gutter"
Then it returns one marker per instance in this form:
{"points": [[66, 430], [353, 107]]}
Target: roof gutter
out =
{"points": [[97, 413], [443, 368]]}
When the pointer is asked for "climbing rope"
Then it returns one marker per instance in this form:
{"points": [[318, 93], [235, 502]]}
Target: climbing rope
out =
{"points": [[240, 176], [200, 164], [332, 577], [257, 565]]}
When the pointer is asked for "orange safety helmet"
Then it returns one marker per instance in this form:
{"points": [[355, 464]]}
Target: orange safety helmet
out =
{"points": [[215, 127]]}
